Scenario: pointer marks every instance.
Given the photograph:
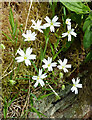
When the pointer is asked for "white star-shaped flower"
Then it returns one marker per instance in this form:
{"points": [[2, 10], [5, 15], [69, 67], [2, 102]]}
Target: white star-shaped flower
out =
{"points": [[25, 56], [76, 85], [68, 21], [48, 64], [69, 33], [39, 78], [52, 23], [29, 36], [37, 26], [63, 65]]}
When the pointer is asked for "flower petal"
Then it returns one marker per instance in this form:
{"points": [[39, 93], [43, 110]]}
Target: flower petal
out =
{"points": [[69, 27], [65, 70], [65, 61], [69, 37], [54, 64], [73, 80], [40, 72], [43, 76], [34, 77], [59, 67], [36, 84], [28, 51], [57, 24], [44, 60], [64, 34], [68, 66], [44, 66], [32, 57], [47, 19], [55, 19], [41, 82], [74, 34], [27, 62], [79, 85], [60, 61], [19, 59], [21, 52], [52, 29], [76, 90]]}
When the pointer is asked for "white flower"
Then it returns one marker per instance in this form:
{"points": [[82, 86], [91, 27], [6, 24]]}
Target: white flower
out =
{"points": [[48, 64], [37, 26], [76, 85], [25, 56], [52, 23], [69, 33], [29, 36], [63, 65], [39, 78], [68, 21]]}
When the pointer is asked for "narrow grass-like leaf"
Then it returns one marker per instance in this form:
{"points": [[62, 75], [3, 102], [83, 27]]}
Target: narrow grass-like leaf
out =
{"points": [[7, 36], [5, 108], [51, 48], [34, 66], [11, 19], [64, 48], [44, 96]]}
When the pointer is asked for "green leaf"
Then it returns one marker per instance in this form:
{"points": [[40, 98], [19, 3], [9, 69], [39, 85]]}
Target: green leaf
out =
{"points": [[41, 54], [5, 107], [77, 7], [7, 36], [38, 113], [87, 40], [15, 29], [88, 57], [12, 100], [88, 22], [44, 96], [34, 66], [64, 48], [51, 48], [11, 19]]}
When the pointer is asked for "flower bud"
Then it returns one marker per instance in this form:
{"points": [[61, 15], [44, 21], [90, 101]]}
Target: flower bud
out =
{"points": [[61, 75], [2, 46], [63, 87]]}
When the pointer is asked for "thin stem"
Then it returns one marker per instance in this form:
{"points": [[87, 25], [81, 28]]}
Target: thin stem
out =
{"points": [[8, 73], [28, 15], [53, 90]]}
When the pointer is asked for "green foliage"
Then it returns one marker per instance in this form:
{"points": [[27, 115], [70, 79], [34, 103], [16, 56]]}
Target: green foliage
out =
{"points": [[63, 48], [87, 28], [53, 6], [44, 96], [77, 7], [87, 40], [88, 57], [14, 27], [7, 105]]}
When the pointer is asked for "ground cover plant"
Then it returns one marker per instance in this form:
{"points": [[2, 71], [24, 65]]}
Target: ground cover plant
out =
{"points": [[43, 49]]}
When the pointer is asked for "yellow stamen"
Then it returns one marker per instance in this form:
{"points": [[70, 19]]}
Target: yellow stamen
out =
{"points": [[49, 65], [66, 22], [28, 38], [38, 78], [68, 32], [63, 67], [25, 57], [51, 23]]}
